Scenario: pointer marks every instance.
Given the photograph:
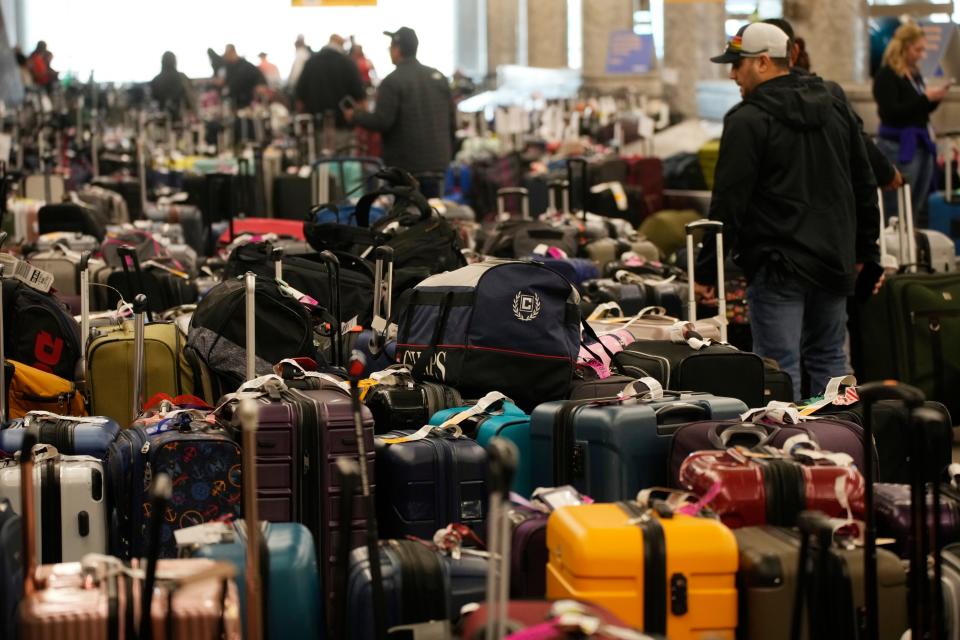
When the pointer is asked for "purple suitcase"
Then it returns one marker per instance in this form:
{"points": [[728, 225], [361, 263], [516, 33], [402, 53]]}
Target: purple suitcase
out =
{"points": [[300, 437], [892, 506], [838, 436], [528, 553]]}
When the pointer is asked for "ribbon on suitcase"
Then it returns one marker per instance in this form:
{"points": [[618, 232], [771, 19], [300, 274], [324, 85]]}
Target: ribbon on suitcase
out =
{"points": [[451, 429]]}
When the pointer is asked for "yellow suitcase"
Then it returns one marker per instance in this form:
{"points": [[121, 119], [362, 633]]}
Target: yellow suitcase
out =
{"points": [[664, 573]]}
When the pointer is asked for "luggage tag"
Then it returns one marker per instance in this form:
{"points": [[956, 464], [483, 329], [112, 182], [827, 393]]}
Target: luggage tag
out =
{"points": [[305, 373], [685, 332], [832, 395], [555, 497], [32, 416], [26, 273], [451, 427], [776, 411], [619, 195], [299, 296], [450, 539], [654, 390], [202, 535], [170, 270]]}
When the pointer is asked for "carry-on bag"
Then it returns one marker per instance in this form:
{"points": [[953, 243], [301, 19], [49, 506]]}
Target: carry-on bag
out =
{"points": [[398, 402], [517, 238], [30, 389], [65, 264], [71, 435]]}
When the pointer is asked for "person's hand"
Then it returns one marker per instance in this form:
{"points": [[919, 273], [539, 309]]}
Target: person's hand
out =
{"points": [[879, 283], [936, 94], [896, 183], [705, 294]]}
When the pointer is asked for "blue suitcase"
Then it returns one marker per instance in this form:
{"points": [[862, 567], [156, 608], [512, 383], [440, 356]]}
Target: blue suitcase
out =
{"points": [[294, 602], [71, 435], [609, 449], [576, 270], [424, 485], [509, 422], [944, 216], [420, 585]]}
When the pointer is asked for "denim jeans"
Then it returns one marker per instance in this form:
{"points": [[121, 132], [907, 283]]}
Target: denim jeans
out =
{"points": [[792, 322], [918, 172]]}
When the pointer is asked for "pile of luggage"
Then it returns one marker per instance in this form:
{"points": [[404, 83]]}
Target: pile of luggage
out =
{"points": [[398, 416]]}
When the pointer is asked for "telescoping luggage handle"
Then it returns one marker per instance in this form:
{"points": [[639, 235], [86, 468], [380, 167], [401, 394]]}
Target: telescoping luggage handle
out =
{"points": [[812, 525], [250, 284], [887, 261], [581, 202], [382, 289], [333, 285], [130, 263], [502, 457], [871, 393], [3, 355], [691, 264], [502, 195], [248, 415]]}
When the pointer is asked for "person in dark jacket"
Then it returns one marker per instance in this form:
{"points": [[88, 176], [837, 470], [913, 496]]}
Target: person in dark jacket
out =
{"points": [[328, 77], [242, 78], [904, 104], [885, 172], [171, 89], [415, 111], [798, 201]]}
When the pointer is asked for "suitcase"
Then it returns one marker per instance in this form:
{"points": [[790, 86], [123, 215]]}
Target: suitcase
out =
{"points": [[64, 264], [71, 217], [659, 571], [73, 240], [514, 238], [261, 226], [11, 569], [611, 448], [86, 436], [586, 386], [651, 323], [765, 486], [769, 557], [188, 216], [421, 584], [30, 389], [935, 252], [110, 203], [666, 229], [708, 156], [195, 597], [892, 506], [129, 188], [426, 484], [161, 280], [24, 214], [292, 198], [632, 297], [45, 187], [607, 250], [495, 416], [283, 554], [72, 501], [943, 213], [407, 404]]}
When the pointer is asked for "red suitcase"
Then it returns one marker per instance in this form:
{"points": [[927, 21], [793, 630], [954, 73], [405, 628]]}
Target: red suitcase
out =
{"points": [[647, 173], [748, 488]]}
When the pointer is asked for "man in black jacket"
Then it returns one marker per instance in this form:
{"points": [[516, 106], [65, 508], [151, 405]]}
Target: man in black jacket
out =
{"points": [[327, 78], [798, 201], [242, 78], [415, 111]]}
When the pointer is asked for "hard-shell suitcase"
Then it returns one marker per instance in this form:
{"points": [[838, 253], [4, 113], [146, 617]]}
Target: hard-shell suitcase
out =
{"points": [[611, 448], [407, 404], [501, 419], [892, 506], [421, 585], [767, 578], [944, 216], [75, 436], [70, 492], [426, 484], [284, 555], [659, 571], [759, 488], [177, 599]]}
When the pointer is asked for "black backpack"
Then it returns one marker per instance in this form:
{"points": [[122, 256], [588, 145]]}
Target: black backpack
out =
{"points": [[39, 331]]}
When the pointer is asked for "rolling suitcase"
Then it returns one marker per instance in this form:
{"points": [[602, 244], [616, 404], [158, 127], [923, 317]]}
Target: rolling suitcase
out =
{"points": [[193, 598], [427, 483], [610, 448], [493, 415], [72, 217], [515, 238], [943, 208], [281, 557], [657, 570], [75, 436], [65, 265], [11, 569], [892, 504], [72, 502]]}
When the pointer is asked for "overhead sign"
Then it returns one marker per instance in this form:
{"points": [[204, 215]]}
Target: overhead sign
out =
{"points": [[630, 53], [333, 3]]}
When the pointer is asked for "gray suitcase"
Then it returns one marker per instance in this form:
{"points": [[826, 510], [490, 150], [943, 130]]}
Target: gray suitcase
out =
{"points": [[64, 264]]}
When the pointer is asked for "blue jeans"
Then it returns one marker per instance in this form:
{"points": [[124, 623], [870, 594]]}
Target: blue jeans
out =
{"points": [[918, 172], [793, 322]]}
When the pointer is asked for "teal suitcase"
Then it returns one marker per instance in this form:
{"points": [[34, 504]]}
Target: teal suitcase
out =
{"points": [[508, 422]]}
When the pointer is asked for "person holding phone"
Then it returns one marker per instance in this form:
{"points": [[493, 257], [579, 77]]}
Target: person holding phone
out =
{"points": [[904, 103], [328, 78]]}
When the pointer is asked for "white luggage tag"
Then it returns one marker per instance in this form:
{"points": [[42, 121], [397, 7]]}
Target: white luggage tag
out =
{"points": [[394, 376], [203, 534], [451, 427], [606, 310], [619, 194], [775, 411], [26, 273], [832, 394], [685, 332], [654, 390]]}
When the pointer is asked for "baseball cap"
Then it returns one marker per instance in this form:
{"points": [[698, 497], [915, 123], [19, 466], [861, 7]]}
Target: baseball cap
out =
{"points": [[755, 40], [404, 39]]}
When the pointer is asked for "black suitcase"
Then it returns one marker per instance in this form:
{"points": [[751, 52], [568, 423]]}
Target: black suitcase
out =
{"points": [[72, 217], [408, 404], [292, 197]]}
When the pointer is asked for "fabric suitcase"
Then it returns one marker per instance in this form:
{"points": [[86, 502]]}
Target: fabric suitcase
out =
{"points": [[716, 368], [429, 483], [262, 226], [768, 580], [408, 406], [72, 217], [73, 240], [607, 250], [653, 323], [770, 490], [164, 285], [30, 389], [576, 270], [71, 498], [944, 216], [667, 229], [204, 464], [11, 569], [587, 386], [656, 570], [892, 506], [64, 264], [834, 435], [86, 436], [292, 197], [611, 448], [507, 421], [421, 585]]}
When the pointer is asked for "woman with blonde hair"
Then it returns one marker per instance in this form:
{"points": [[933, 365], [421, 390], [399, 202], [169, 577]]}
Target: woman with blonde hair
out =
{"points": [[904, 103]]}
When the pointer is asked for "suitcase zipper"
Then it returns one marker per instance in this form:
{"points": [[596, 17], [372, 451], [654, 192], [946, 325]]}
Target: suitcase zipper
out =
{"points": [[62, 400], [654, 567]]}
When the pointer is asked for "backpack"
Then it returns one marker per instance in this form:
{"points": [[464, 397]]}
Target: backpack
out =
{"points": [[39, 330], [31, 389], [505, 326]]}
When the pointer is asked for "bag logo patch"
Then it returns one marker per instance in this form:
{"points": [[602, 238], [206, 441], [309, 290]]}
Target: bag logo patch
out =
{"points": [[526, 307]]}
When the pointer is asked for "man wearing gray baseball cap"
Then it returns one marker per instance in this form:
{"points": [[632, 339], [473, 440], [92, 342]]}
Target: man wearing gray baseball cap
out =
{"points": [[798, 200]]}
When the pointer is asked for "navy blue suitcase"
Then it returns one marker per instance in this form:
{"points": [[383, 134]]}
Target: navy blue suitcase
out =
{"points": [[944, 216], [424, 485], [609, 449], [576, 270], [11, 571], [71, 435], [420, 585]]}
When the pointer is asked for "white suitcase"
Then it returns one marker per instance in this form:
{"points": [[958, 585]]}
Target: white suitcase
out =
{"points": [[69, 492], [928, 251]]}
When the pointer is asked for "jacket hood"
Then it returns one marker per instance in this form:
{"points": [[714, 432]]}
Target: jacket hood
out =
{"points": [[168, 62], [800, 104]]}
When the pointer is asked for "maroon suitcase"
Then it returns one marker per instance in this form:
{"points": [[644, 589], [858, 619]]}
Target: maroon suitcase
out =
{"points": [[754, 488]]}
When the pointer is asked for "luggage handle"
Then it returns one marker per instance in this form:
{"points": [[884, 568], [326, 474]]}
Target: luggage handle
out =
{"points": [[160, 494], [721, 435], [502, 459], [563, 187], [582, 163], [349, 473], [812, 524], [250, 285], [691, 227], [382, 288], [139, 355], [333, 284], [248, 414], [685, 409], [513, 191], [28, 508]]}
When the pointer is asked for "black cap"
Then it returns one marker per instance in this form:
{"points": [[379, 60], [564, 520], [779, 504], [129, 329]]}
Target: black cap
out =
{"points": [[404, 39]]}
